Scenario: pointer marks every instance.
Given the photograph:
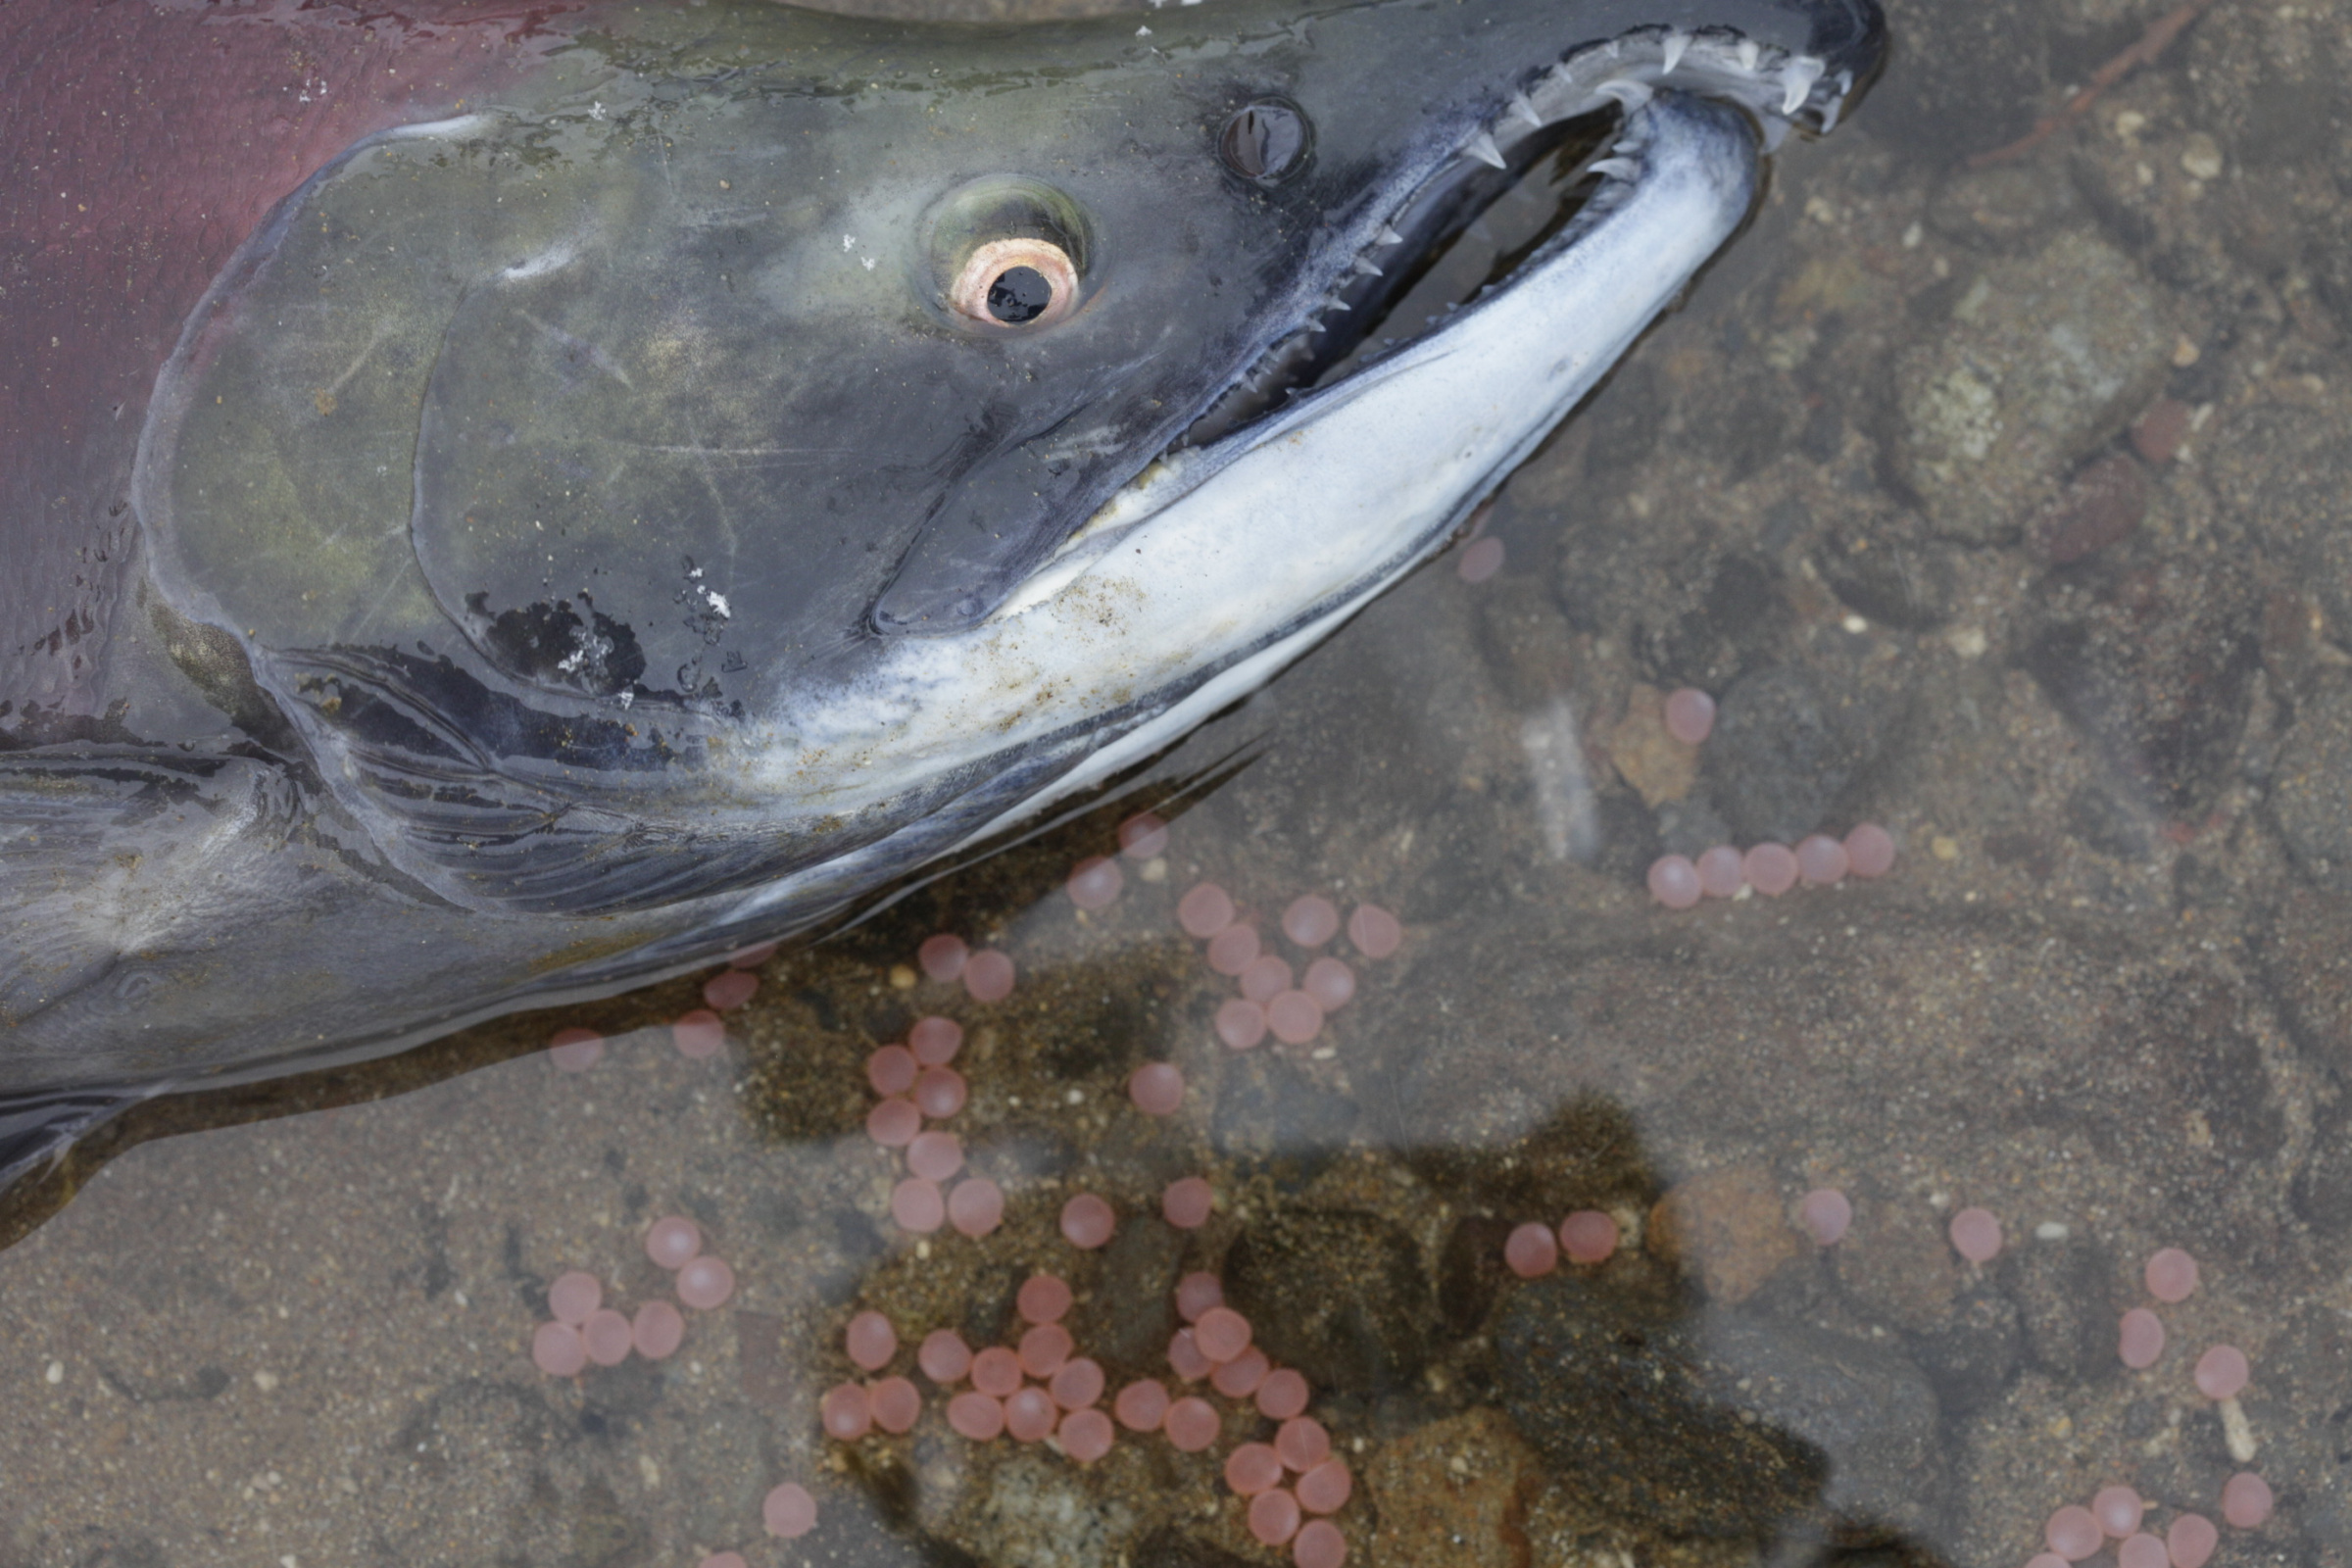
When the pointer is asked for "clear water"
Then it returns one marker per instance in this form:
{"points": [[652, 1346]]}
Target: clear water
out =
{"points": [[2102, 995]]}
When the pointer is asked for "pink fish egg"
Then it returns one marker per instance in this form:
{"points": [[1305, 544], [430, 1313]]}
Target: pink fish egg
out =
{"points": [[1690, 716], [2171, 1275], [1481, 558], [2245, 1500], [894, 1122], [2221, 1372], [1156, 1087], [846, 1412], [725, 992], [870, 1341], [897, 1406], [1094, 882], [1222, 1332], [935, 1156], [698, 1036], [1205, 912], [1232, 951], [2118, 1510], [1722, 872], [2073, 1533], [706, 1282], [576, 1049], [2140, 1341], [1191, 1424], [788, 1511], [1078, 1383], [1239, 1378], [1085, 1434], [1821, 860], [996, 1371], [1374, 932], [1196, 1293], [976, 1207], [1977, 1235], [944, 1357], [1302, 1441], [2141, 1551], [1870, 851], [1329, 982], [979, 1417], [1311, 921], [1044, 1350], [723, 1559], [606, 1335], [573, 1296], [1188, 1203], [1240, 1023], [2191, 1539], [1326, 1488], [1295, 1017], [1283, 1395], [891, 1070], [917, 1206], [1253, 1468], [1589, 1235], [1673, 881], [1143, 837], [1044, 1299], [1769, 868], [1087, 1222], [1264, 980], [657, 1331], [1029, 1416], [1319, 1545], [1185, 1358], [1141, 1406], [940, 1092], [558, 1350], [942, 957], [1273, 1516], [934, 1040], [1531, 1251], [988, 976], [1823, 1214]]}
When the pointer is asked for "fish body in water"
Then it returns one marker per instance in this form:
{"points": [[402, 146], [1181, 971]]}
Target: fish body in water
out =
{"points": [[604, 489]]}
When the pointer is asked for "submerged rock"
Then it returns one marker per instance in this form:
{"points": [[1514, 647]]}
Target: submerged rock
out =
{"points": [[2047, 357], [1719, 1423]]}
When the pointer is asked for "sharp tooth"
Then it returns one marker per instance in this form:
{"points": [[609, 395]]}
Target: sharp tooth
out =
{"points": [[1482, 147], [1671, 54], [1616, 167], [1526, 111], [1390, 236], [1629, 93], [1367, 270], [1796, 84], [1748, 53], [1776, 131], [1332, 302]]}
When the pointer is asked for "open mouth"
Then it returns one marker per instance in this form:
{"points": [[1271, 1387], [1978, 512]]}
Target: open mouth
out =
{"points": [[1508, 188]]}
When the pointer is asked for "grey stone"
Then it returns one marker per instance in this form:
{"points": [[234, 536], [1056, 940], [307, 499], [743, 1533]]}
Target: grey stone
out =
{"points": [[2310, 797], [2045, 357]]}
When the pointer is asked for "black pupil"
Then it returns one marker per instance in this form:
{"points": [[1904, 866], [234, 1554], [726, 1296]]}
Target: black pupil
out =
{"points": [[1264, 140], [1020, 294]]}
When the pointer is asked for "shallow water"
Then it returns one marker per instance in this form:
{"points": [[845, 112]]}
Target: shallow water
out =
{"points": [[2002, 507]]}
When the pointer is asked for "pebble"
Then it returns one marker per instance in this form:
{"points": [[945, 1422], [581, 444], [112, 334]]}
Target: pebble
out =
{"points": [[1729, 1227]]}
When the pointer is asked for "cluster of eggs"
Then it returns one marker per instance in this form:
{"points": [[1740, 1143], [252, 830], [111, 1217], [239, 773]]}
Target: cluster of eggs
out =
{"points": [[583, 1331]]}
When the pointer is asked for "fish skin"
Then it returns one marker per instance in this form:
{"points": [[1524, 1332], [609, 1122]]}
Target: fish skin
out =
{"points": [[144, 753]]}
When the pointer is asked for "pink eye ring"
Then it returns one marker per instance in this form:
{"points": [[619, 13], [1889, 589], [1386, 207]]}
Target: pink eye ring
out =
{"points": [[1023, 283]]}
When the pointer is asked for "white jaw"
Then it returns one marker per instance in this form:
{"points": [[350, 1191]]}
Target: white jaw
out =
{"points": [[1222, 565]]}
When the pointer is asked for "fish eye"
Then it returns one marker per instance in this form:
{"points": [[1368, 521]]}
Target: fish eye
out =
{"points": [[1265, 141], [1021, 282]]}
